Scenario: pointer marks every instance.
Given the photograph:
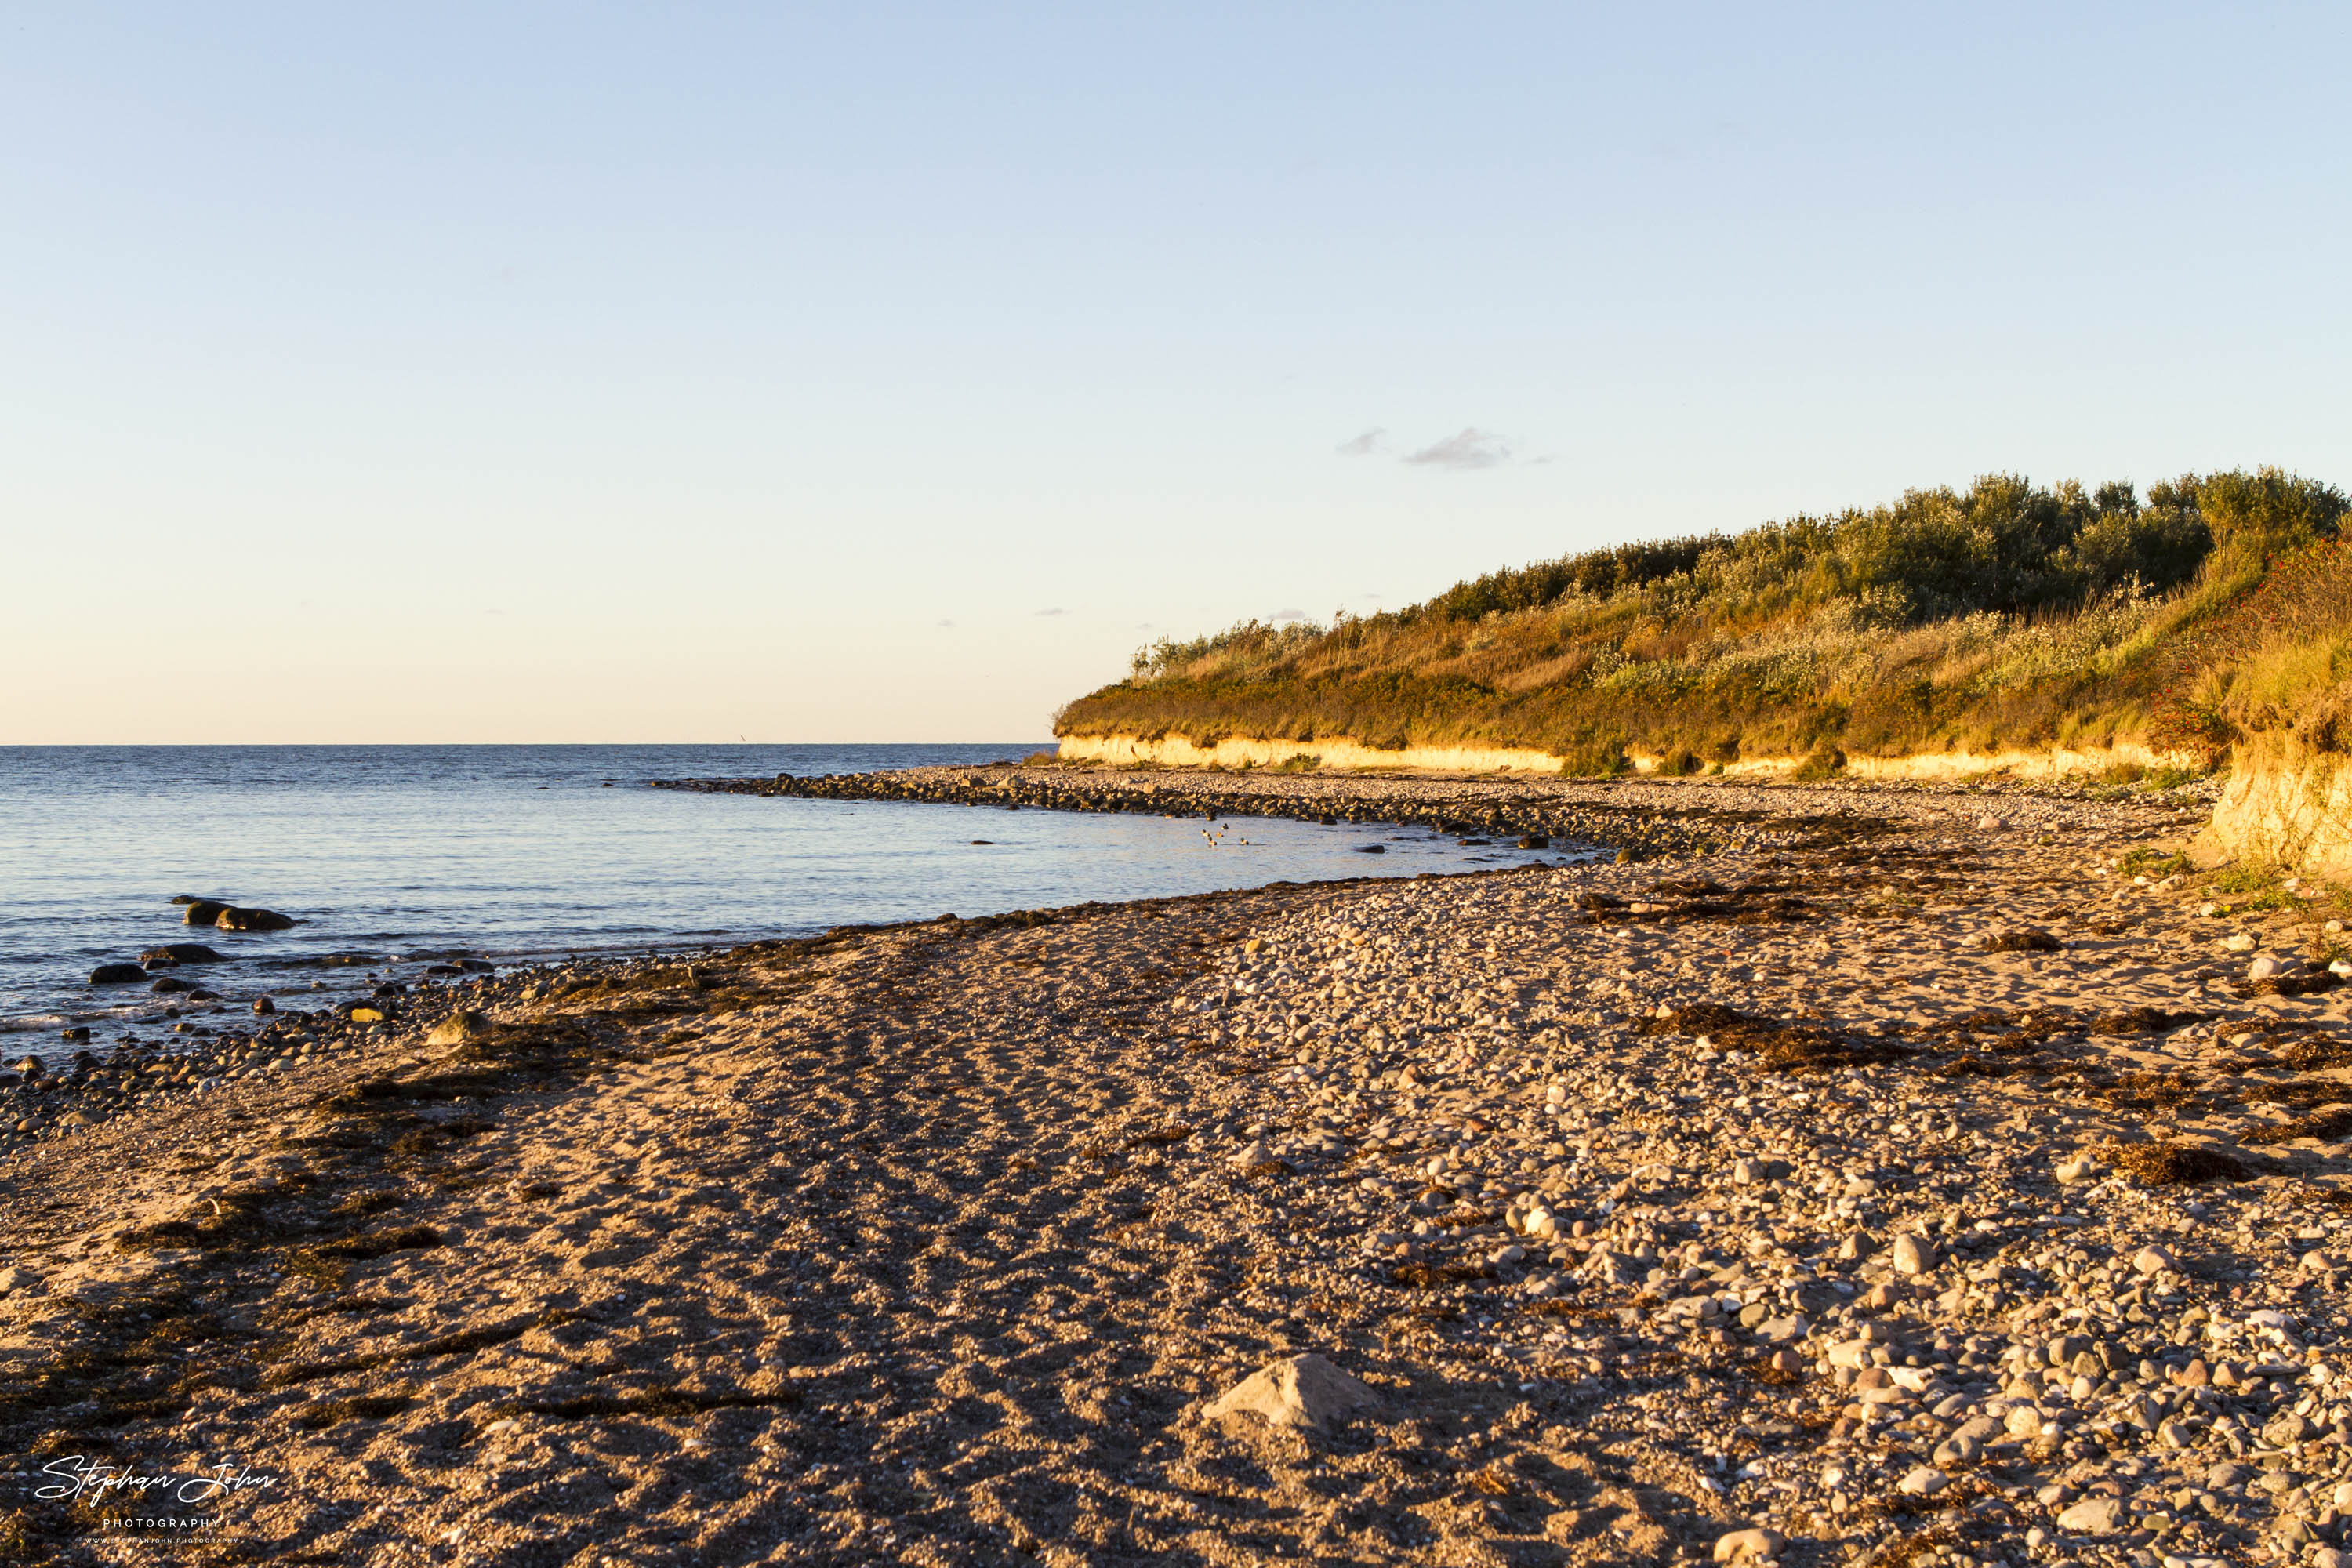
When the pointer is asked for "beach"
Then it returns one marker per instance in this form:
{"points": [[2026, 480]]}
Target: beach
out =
{"points": [[1825, 1173]]}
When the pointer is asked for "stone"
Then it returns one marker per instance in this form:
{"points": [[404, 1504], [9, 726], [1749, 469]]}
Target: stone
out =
{"points": [[166, 986], [1925, 1480], [1755, 1545], [264, 1004], [459, 1027], [367, 1014], [2094, 1516], [1299, 1391], [1254, 1154], [180, 953], [2263, 967], [2023, 1421], [1960, 1449], [2081, 1168], [2287, 1431], [2154, 1260], [2240, 942], [117, 975], [235, 919], [1914, 1254], [202, 911]]}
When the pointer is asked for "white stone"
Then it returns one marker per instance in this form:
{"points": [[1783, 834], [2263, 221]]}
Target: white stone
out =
{"points": [[1255, 1154], [2240, 942], [2079, 1169], [1914, 1254], [2154, 1260], [1296, 1391], [2263, 966], [1753, 1545], [1925, 1481]]}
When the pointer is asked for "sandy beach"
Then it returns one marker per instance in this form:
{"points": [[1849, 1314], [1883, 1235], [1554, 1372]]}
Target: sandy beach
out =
{"points": [[1888, 1174]]}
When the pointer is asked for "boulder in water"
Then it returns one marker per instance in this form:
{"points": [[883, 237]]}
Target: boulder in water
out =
{"points": [[116, 974], [167, 986], [264, 1004], [203, 912], [180, 953], [235, 919]]}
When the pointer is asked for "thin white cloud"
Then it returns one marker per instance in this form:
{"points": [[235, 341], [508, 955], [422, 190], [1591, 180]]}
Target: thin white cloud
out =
{"points": [[1055, 611], [1472, 448], [1365, 445], [1280, 616]]}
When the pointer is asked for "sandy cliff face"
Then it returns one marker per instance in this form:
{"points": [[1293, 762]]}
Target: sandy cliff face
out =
{"points": [[1249, 752], [2285, 804]]}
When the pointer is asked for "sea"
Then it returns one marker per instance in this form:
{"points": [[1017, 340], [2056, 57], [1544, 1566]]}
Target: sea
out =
{"points": [[390, 857]]}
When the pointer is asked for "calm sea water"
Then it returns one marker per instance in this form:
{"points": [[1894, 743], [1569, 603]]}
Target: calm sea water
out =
{"points": [[404, 854]]}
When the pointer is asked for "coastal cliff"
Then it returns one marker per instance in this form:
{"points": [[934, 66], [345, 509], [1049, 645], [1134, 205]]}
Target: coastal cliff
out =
{"points": [[2009, 628]]}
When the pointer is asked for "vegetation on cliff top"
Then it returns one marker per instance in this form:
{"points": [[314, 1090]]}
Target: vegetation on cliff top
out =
{"points": [[2010, 614]]}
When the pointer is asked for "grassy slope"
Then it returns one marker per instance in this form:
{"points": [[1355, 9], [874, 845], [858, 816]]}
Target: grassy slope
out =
{"points": [[2005, 615]]}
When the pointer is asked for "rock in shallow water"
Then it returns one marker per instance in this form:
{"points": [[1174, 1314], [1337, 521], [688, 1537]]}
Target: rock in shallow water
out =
{"points": [[117, 975], [234, 918], [180, 953]]}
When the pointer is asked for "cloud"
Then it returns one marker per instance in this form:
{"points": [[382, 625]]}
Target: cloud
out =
{"points": [[1365, 445], [1280, 616], [945, 623], [1057, 611], [1473, 448]]}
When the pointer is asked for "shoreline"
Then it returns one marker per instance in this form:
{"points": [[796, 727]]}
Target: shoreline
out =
{"points": [[933, 1242]]}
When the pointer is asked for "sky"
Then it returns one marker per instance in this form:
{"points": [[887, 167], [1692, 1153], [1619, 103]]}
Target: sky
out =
{"points": [[891, 372]]}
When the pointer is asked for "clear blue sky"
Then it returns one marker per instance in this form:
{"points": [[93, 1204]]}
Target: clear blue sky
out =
{"points": [[889, 372]]}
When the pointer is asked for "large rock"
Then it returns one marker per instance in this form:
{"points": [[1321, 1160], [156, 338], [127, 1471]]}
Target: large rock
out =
{"points": [[117, 975], [1296, 1391], [202, 911], [180, 953], [235, 919], [458, 1028], [1756, 1545], [1914, 1255], [2094, 1516]]}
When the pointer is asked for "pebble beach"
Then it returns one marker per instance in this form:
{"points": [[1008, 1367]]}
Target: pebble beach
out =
{"points": [[1818, 1174]]}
